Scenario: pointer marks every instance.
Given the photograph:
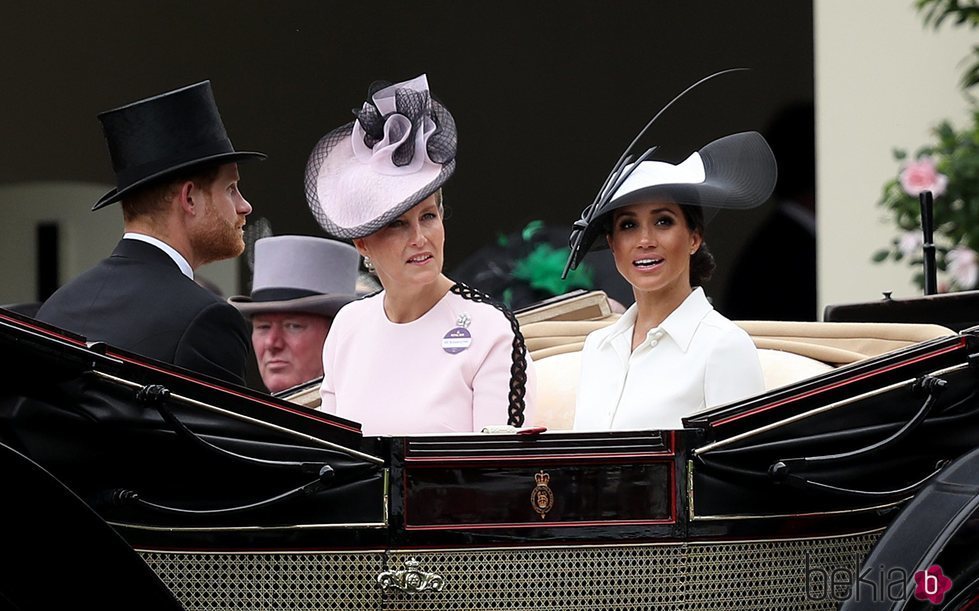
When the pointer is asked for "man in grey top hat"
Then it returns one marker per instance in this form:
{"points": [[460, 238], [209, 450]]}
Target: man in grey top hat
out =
{"points": [[300, 283]]}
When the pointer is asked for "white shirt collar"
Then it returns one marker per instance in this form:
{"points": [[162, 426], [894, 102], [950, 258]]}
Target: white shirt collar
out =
{"points": [[625, 323], [182, 263], [680, 325]]}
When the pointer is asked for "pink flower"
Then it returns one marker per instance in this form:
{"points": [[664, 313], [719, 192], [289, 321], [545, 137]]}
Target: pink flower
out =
{"points": [[963, 266], [910, 243], [921, 175]]}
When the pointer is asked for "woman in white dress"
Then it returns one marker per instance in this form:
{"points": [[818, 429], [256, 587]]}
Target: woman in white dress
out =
{"points": [[670, 354]]}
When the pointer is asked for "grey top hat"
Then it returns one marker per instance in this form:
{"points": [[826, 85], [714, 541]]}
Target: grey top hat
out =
{"points": [[295, 273]]}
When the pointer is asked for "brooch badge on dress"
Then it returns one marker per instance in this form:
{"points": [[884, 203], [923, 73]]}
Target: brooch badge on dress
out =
{"points": [[542, 498], [458, 338]]}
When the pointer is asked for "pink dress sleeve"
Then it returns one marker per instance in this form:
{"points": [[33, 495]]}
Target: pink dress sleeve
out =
{"points": [[328, 397], [491, 384]]}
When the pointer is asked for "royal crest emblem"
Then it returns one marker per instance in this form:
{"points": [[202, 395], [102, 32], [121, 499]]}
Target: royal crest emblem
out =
{"points": [[542, 498]]}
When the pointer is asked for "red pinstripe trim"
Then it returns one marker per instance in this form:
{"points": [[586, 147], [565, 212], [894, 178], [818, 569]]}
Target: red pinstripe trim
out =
{"points": [[531, 457], [544, 524]]}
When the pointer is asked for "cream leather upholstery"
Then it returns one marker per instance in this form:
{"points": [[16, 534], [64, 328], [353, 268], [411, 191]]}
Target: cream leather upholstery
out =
{"points": [[789, 352], [839, 343]]}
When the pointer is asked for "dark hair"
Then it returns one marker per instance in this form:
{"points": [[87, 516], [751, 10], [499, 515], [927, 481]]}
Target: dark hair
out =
{"points": [[702, 261], [154, 198]]}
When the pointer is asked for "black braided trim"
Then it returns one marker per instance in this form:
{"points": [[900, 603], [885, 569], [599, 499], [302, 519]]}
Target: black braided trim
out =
{"points": [[518, 371]]}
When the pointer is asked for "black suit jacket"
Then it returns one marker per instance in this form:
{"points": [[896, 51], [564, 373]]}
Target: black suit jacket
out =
{"points": [[139, 300]]}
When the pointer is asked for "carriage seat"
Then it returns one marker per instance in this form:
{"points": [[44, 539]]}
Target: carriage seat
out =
{"points": [[788, 351]]}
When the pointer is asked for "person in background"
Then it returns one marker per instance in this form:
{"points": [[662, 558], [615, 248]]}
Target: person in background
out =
{"points": [[177, 181], [300, 284], [670, 354], [426, 354]]}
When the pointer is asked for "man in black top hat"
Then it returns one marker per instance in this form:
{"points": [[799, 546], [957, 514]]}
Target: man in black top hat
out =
{"points": [[177, 180]]}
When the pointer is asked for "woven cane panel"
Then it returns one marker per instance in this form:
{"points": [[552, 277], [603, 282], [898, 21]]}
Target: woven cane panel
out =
{"points": [[756, 575], [270, 581], [568, 579], [773, 574]]}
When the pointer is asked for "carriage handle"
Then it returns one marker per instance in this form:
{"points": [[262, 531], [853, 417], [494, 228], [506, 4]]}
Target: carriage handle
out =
{"points": [[930, 384]]}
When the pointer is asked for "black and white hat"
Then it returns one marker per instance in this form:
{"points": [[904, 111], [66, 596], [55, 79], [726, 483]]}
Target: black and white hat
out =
{"points": [[297, 273], [399, 150], [733, 172]]}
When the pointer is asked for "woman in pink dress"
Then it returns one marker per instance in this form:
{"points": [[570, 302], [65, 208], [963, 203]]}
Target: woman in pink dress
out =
{"points": [[425, 354]]}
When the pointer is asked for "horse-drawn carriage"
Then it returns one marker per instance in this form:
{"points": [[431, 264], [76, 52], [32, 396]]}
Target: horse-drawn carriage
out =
{"points": [[234, 499]]}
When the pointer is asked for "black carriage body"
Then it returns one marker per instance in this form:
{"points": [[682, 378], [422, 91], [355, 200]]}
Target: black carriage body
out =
{"points": [[238, 500]]}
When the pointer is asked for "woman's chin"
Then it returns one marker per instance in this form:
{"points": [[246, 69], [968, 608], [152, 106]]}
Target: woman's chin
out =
{"points": [[645, 281], [424, 274]]}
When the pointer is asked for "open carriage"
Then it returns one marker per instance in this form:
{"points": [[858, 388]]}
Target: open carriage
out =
{"points": [[238, 500]]}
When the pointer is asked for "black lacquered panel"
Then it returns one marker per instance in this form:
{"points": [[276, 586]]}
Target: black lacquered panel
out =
{"points": [[555, 444], [504, 495]]}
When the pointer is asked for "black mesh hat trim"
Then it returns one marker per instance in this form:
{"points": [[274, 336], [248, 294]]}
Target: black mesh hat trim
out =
{"points": [[443, 143], [372, 122], [441, 149], [316, 159], [320, 152], [518, 370], [411, 104]]}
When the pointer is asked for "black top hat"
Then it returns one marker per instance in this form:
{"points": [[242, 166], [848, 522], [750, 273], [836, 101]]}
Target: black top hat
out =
{"points": [[152, 138]]}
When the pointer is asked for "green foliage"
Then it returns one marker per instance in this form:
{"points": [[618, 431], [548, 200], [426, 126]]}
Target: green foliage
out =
{"points": [[961, 13], [532, 228], [542, 268], [956, 156]]}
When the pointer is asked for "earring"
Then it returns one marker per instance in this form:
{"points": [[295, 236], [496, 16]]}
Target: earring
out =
{"points": [[368, 264]]}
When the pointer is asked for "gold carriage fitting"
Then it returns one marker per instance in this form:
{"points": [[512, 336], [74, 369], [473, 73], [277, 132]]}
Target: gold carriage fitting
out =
{"points": [[541, 498]]}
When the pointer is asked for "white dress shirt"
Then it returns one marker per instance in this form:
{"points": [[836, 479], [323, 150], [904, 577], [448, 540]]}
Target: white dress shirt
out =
{"points": [[696, 358], [178, 258]]}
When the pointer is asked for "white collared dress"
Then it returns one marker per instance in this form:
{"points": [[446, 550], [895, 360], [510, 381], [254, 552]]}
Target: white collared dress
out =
{"points": [[696, 358]]}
